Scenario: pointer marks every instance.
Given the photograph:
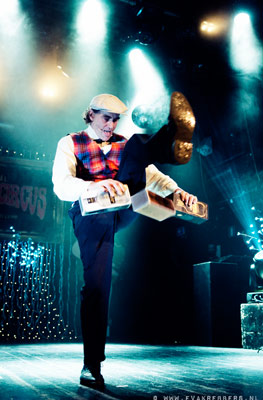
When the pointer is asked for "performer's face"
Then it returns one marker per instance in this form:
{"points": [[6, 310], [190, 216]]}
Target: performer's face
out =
{"points": [[104, 123]]}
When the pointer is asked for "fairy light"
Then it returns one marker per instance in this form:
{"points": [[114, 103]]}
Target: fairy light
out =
{"points": [[254, 238], [25, 153], [30, 310]]}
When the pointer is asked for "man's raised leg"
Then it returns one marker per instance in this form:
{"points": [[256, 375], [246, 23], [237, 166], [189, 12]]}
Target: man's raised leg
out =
{"points": [[170, 145]]}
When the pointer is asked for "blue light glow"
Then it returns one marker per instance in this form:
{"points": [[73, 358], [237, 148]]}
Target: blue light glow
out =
{"points": [[245, 48], [230, 184], [148, 82], [149, 89], [242, 19], [91, 22]]}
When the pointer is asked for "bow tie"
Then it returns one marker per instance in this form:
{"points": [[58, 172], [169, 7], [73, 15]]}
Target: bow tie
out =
{"points": [[110, 140], [99, 141]]}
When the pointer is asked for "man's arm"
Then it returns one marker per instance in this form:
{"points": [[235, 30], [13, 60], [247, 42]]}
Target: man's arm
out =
{"points": [[163, 185], [66, 185], [159, 183]]}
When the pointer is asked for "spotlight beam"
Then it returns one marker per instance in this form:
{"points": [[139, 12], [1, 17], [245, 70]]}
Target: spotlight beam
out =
{"points": [[245, 49], [91, 22]]}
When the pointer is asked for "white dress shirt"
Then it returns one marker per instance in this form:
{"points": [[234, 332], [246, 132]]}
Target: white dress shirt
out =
{"points": [[69, 188]]}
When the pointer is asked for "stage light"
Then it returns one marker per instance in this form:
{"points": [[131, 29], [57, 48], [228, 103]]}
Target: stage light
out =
{"points": [[148, 82], [48, 91], [245, 48], [230, 185], [241, 20], [208, 27], [91, 22], [258, 267], [214, 25], [52, 84], [9, 15], [135, 53], [9, 7], [147, 79]]}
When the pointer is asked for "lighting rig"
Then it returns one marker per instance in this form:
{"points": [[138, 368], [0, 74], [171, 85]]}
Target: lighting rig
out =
{"points": [[254, 240]]}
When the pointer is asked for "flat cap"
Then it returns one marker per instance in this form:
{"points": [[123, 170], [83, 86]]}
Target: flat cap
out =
{"points": [[108, 102]]}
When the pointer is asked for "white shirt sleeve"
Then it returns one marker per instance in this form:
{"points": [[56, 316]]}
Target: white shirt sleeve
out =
{"points": [[159, 183], [66, 186]]}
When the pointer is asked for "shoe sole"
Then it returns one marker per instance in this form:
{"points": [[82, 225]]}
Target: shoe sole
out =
{"points": [[92, 383], [182, 116]]}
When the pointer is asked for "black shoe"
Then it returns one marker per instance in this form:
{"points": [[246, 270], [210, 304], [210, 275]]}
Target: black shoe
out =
{"points": [[91, 376], [182, 122]]}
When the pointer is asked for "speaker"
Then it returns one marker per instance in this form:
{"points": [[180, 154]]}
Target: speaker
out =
{"points": [[219, 289]]}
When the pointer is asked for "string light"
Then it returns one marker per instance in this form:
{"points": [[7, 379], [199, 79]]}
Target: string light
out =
{"points": [[30, 310], [25, 153]]}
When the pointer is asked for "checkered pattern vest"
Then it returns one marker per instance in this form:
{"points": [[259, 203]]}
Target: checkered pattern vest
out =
{"points": [[92, 163]]}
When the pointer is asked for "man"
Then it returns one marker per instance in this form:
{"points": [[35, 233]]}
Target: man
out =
{"points": [[97, 159]]}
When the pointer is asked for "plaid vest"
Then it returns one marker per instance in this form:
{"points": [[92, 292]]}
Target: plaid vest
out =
{"points": [[92, 163]]}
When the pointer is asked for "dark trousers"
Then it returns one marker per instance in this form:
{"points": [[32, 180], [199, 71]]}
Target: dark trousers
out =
{"points": [[95, 236]]}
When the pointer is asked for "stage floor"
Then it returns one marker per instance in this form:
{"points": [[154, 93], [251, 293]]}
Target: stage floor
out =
{"points": [[51, 372]]}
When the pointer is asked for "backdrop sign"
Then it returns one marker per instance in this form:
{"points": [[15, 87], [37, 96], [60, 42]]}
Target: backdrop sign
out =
{"points": [[27, 200]]}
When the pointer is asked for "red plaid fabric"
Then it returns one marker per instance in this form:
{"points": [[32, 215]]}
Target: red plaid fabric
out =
{"points": [[92, 163]]}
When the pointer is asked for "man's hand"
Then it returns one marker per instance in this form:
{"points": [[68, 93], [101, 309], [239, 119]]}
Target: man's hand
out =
{"points": [[108, 185], [187, 198]]}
